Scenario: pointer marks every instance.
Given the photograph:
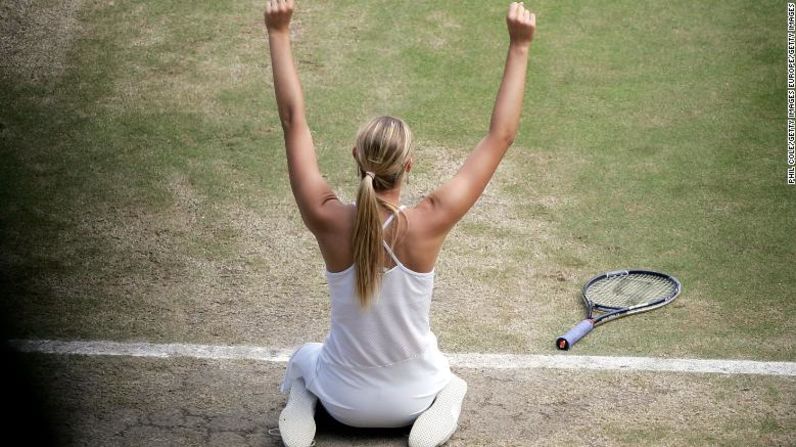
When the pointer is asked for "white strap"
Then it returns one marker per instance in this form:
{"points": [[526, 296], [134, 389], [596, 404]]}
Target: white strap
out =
{"points": [[389, 219], [389, 250], [392, 255], [387, 222]]}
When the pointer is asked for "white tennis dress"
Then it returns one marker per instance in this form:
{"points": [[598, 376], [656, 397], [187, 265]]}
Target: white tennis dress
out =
{"points": [[379, 367]]}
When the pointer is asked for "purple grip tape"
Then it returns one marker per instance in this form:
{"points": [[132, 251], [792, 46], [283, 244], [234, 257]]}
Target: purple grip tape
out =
{"points": [[565, 341]]}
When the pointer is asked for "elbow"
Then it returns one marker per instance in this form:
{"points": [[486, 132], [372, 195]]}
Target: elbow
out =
{"points": [[506, 138], [287, 120], [290, 117], [503, 132]]}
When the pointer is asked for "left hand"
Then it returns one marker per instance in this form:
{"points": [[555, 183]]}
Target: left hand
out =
{"points": [[277, 14], [521, 23]]}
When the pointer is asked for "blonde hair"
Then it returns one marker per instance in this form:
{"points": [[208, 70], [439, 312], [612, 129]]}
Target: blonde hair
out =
{"points": [[383, 146]]}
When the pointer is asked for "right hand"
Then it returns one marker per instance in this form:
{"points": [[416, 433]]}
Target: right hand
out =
{"points": [[277, 14], [521, 23]]}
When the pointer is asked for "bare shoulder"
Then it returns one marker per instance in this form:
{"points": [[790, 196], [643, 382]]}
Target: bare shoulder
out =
{"points": [[422, 243], [336, 217], [334, 240], [418, 217], [427, 219]]}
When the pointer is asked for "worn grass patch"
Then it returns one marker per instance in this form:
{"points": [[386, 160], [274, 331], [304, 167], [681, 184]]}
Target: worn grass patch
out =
{"points": [[36, 37]]}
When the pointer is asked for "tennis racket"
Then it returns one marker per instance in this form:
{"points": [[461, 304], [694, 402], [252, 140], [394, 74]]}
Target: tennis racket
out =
{"points": [[620, 293]]}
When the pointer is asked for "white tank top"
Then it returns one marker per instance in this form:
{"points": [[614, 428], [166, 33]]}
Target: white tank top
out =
{"points": [[387, 346]]}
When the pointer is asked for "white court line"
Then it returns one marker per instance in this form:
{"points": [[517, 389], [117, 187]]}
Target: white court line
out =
{"points": [[490, 361]]}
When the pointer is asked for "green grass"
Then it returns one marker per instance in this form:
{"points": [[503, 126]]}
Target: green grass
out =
{"points": [[682, 172], [144, 192]]}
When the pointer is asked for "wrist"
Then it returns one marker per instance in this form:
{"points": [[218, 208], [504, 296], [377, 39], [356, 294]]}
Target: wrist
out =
{"points": [[520, 46], [278, 32]]}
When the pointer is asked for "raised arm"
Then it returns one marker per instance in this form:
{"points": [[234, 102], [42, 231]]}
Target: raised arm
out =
{"points": [[451, 201], [310, 190]]}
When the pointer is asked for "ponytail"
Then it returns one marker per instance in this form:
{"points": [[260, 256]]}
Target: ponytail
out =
{"points": [[367, 237], [383, 145]]}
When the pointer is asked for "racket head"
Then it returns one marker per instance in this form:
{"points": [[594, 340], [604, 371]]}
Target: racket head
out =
{"points": [[634, 289]]}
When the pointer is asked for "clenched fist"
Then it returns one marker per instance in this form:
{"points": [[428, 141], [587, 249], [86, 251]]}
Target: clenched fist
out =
{"points": [[277, 14], [521, 23]]}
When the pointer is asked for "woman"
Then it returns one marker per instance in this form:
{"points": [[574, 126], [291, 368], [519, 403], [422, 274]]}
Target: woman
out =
{"points": [[380, 365]]}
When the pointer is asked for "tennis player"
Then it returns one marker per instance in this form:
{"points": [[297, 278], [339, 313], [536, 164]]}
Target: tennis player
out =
{"points": [[380, 365]]}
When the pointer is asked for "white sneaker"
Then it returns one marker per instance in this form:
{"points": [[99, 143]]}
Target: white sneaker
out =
{"points": [[297, 420], [437, 424]]}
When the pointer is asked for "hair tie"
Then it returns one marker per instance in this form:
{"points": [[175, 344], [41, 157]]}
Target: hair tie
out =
{"points": [[371, 174]]}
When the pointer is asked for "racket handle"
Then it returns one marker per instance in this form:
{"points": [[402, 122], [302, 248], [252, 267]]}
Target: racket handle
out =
{"points": [[566, 341]]}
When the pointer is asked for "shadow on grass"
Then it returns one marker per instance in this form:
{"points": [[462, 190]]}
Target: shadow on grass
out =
{"points": [[26, 415]]}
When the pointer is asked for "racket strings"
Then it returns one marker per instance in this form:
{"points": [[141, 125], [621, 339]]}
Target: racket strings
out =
{"points": [[643, 288], [630, 290]]}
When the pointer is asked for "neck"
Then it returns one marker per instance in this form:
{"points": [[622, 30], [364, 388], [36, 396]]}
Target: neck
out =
{"points": [[391, 195]]}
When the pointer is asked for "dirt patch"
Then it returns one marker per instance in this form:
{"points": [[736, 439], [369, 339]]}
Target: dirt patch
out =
{"points": [[540, 407], [183, 401], [36, 36]]}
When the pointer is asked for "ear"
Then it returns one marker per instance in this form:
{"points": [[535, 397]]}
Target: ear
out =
{"points": [[354, 152], [408, 165]]}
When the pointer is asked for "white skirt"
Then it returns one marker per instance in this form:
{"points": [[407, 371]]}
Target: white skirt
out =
{"points": [[382, 396]]}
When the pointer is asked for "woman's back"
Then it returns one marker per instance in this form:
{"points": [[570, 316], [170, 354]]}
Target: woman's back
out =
{"points": [[412, 238], [395, 326]]}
